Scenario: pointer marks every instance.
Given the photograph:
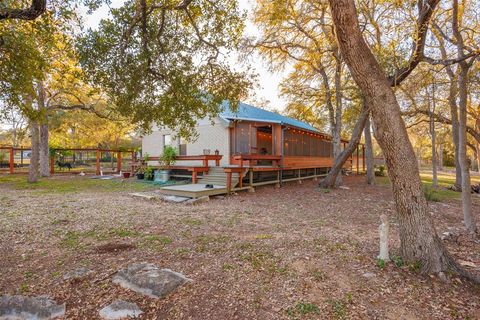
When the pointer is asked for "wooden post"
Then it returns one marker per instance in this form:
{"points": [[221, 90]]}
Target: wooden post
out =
{"points": [[250, 181], [363, 157], [205, 161], [97, 171], [358, 158], [240, 179], [21, 157], [11, 161], [119, 161], [229, 181], [194, 177], [52, 164], [217, 162]]}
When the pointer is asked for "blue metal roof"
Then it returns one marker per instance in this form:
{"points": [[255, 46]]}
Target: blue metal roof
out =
{"points": [[251, 113]]}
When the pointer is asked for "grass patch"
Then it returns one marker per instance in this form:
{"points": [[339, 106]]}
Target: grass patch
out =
{"points": [[209, 242], [192, 222], [71, 240], [155, 242], [71, 184], [123, 233], [263, 236], [303, 308]]}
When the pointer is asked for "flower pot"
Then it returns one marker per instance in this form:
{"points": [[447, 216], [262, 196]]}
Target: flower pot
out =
{"points": [[140, 176], [162, 176], [126, 175]]}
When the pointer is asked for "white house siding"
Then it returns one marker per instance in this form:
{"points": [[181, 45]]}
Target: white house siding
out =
{"points": [[210, 136]]}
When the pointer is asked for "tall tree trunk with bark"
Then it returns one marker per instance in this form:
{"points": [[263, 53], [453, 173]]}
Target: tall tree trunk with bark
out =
{"points": [[434, 143], [337, 129], [44, 149], [33, 171], [338, 162], [440, 156], [369, 152], [468, 219], [452, 103], [419, 241]]}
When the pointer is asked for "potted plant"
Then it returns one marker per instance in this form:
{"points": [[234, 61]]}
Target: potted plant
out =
{"points": [[149, 173], [141, 173], [166, 160]]}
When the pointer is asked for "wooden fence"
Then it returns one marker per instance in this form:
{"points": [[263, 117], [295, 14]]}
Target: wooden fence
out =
{"points": [[74, 160]]}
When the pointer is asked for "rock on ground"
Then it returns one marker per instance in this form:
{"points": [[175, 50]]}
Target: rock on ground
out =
{"points": [[175, 199], [119, 309], [148, 279], [22, 307]]}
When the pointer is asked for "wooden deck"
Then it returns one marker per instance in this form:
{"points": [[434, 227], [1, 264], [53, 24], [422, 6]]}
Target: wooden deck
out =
{"points": [[196, 190]]}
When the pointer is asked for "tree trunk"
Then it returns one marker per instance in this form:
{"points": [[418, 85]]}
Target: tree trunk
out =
{"points": [[337, 129], [455, 134], [477, 147], [35, 155], [440, 156], [468, 218], [338, 162], [44, 149], [434, 143], [419, 241], [369, 152]]}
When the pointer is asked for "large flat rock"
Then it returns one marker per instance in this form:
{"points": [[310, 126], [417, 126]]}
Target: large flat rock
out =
{"points": [[150, 280], [120, 309], [32, 308]]}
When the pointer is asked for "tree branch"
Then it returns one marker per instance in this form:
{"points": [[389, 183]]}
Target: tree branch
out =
{"points": [[35, 10], [426, 9]]}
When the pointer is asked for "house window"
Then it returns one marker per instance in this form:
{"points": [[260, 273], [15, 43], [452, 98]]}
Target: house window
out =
{"points": [[167, 140], [182, 148]]}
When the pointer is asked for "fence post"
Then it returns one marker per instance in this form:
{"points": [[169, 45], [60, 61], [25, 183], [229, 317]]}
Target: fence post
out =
{"points": [[97, 171], [52, 163], [11, 161], [119, 161]]}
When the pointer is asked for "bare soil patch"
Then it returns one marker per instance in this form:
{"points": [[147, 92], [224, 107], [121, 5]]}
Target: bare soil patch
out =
{"points": [[291, 253]]}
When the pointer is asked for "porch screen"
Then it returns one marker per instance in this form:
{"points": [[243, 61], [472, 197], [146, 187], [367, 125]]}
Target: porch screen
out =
{"points": [[297, 143], [245, 138]]}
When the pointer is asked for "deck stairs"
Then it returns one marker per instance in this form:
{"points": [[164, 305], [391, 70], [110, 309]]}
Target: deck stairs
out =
{"points": [[218, 177]]}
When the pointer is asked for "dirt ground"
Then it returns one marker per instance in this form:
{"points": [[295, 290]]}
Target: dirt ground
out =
{"points": [[291, 253]]}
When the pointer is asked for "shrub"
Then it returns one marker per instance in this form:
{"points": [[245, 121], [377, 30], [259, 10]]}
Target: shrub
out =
{"points": [[380, 171], [430, 193], [168, 156]]}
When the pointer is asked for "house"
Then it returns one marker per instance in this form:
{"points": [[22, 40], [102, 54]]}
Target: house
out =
{"points": [[257, 144]]}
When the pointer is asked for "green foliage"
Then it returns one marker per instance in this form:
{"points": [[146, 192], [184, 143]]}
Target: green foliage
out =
{"points": [[431, 194], [381, 263], [170, 67], [168, 156], [149, 171], [397, 260], [380, 170]]}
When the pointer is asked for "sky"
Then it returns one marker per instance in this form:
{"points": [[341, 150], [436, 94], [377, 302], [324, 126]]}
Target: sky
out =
{"points": [[267, 88]]}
